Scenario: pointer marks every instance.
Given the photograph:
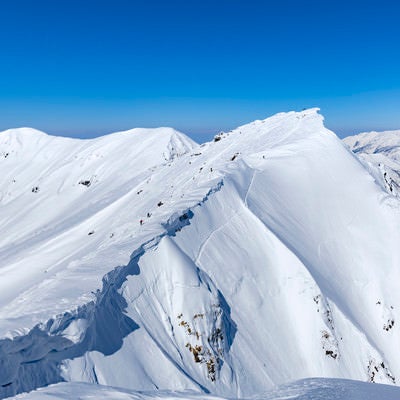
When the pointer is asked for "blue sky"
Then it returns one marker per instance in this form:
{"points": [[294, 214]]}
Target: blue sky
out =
{"points": [[85, 68]]}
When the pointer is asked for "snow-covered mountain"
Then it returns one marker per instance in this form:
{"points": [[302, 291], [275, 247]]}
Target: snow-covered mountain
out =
{"points": [[381, 153], [143, 261]]}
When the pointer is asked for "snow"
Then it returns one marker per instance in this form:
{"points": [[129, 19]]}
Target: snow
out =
{"points": [[307, 389], [380, 151], [266, 256], [387, 142]]}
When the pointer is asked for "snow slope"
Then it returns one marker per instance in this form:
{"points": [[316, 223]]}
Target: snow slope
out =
{"points": [[54, 191], [307, 389], [381, 153], [266, 256]]}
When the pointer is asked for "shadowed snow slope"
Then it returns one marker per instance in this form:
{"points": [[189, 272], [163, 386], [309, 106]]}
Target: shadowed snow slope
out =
{"points": [[141, 260]]}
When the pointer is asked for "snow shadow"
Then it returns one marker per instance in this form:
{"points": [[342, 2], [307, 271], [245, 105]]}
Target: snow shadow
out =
{"points": [[34, 360]]}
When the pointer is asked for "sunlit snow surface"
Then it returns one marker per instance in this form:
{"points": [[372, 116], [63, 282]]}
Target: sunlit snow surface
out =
{"points": [[307, 389], [144, 261], [381, 153]]}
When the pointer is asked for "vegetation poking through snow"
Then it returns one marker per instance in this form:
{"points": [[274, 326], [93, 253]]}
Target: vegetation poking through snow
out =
{"points": [[85, 182], [206, 347], [329, 344], [387, 315], [218, 137], [234, 156], [376, 369], [389, 325], [328, 336]]}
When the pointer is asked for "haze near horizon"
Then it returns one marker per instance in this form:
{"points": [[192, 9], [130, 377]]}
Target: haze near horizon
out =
{"points": [[84, 69]]}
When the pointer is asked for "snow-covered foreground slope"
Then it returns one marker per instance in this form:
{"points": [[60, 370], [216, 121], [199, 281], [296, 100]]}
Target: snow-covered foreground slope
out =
{"points": [[381, 153], [65, 201], [307, 389], [266, 256]]}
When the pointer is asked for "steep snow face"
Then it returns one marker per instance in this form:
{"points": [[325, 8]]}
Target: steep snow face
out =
{"points": [[267, 255], [380, 151]]}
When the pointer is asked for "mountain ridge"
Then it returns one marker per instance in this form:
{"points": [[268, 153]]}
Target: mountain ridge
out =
{"points": [[263, 227], [380, 152]]}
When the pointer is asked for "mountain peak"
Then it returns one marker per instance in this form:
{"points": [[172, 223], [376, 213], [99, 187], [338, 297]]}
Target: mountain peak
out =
{"points": [[145, 251], [23, 132]]}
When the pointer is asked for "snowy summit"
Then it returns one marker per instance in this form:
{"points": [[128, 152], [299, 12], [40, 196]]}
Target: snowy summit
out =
{"points": [[142, 265]]}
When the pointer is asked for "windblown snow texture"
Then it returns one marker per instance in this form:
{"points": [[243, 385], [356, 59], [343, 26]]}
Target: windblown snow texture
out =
{"points": [[306, 389], [143, 261]]}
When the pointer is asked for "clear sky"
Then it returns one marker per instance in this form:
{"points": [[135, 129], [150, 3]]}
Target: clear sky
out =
{"points": [[89, 67]]}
